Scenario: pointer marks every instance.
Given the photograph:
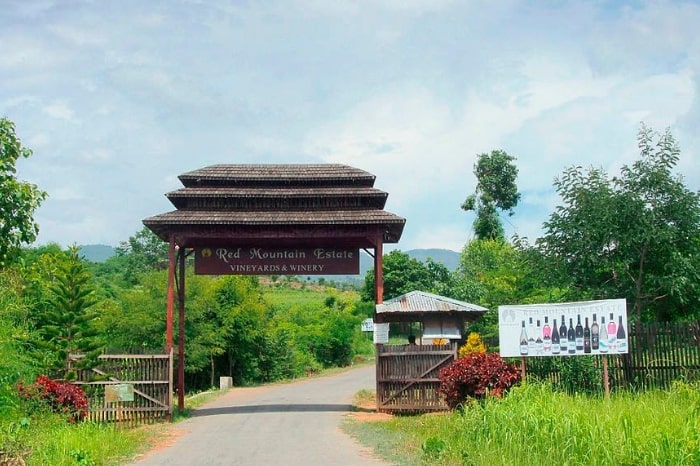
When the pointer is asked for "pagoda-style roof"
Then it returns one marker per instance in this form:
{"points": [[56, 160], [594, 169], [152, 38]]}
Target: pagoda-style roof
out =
{"points": [[282, 204]]}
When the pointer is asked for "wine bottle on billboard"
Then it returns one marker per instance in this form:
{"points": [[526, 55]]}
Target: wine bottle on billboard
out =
{"points": [[538, 340], [586, 338], [571, 336], [603, 336], [612, 334], [621, 337], [546, 336], [579, 334], [595, 334], [563, 339], [531, 337], [556, 347], [523, 340]]}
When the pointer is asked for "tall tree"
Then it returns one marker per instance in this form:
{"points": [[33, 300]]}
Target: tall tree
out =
{"points": [[403, 274], [18, 199], [496, 189], [68, 326], [633, 236]]}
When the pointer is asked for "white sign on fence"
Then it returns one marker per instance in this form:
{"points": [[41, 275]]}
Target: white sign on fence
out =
{"points": [[381, 334], [563, 329]]}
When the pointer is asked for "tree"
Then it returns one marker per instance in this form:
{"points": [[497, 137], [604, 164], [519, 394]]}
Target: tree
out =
{"points": [[142, 253], [495, 189], [403, 274], [67, 327], [18, 199], [632, 236]]}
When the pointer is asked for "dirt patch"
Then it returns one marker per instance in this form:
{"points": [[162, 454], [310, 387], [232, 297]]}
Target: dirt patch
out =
{"points": [[367, 412]]}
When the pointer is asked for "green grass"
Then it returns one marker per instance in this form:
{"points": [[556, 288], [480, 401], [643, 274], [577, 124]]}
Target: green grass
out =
{"points": [[48, 439], [535, 426]]}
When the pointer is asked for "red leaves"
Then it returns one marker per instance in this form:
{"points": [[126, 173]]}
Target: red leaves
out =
{"points": [[475, 376], [62, 397]]}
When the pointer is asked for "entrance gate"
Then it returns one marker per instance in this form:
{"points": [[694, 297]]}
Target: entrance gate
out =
{"points": [[407, 377], [284, 208]]}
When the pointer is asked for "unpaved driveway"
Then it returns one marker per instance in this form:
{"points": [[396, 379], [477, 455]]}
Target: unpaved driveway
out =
{"points": [[285, 424]]}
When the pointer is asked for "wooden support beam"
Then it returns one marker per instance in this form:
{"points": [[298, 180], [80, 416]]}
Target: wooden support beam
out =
{"points": [[170, 305], [181, 333]]}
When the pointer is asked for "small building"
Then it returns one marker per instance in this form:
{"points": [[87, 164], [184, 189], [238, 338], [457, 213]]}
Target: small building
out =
{"points": [[407, 376]]}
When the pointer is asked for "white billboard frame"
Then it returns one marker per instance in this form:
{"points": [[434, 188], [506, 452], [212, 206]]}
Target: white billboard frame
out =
{"points": [[514, 321]]}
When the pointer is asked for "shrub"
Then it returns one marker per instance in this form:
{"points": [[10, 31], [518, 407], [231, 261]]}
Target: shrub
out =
{"points": [[61, 397], [474, 344], [476, 376]]}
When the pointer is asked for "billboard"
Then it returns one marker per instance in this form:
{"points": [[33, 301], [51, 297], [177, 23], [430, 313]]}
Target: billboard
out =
{"points": [[563, 329], [276, 261]]}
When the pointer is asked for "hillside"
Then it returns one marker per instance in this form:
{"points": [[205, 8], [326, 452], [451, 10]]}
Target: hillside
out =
{"points": [[96, 252]]}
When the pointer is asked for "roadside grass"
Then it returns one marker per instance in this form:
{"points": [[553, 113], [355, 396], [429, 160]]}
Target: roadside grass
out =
{"points": [[534, 425]]}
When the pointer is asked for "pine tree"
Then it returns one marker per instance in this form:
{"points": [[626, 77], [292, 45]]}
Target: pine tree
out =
{"points": [[66, 325]]}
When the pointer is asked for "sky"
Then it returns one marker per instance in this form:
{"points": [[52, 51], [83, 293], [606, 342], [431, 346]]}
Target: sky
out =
{"points": [[118, 98]]}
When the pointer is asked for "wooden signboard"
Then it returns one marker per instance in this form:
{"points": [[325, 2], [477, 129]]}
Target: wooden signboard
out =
{"points": [[276, 261]]}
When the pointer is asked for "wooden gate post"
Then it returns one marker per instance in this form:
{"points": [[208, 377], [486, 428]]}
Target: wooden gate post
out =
{"points": [[378, 299]]}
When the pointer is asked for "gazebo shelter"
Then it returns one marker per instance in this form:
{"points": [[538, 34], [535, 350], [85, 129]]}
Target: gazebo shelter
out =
{"points": [[407, 375], [271, 219]]}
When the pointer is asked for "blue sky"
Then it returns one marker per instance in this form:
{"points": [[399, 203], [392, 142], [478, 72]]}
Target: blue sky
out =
{"points": [[117, 98]]}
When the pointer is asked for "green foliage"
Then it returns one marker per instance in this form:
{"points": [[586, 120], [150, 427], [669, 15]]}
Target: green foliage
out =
{"points": [[67, 325], [403, 274], [476, 376], [15, 364], [496, 188], [18, 199], [61, 397], [577, 374], [632, 235], [141, 253]]}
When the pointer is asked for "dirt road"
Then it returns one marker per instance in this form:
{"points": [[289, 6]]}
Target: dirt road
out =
{"points": [[285, 424]]}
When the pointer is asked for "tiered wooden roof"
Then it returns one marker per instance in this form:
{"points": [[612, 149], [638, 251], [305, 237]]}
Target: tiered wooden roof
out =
{"points": [[280, 205]]}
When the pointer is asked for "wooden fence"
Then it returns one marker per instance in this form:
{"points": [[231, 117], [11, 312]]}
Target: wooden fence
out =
{"points": [[407, 377], [129, 388], [659, 354]]}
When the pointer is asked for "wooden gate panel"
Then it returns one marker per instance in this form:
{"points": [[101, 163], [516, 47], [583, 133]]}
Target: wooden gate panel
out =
{"points": [[150, 376], [407, 377]]}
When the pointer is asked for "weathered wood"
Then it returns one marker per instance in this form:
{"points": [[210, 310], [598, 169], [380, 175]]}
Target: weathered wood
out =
{"points": [[151, 377], [407, 377]]}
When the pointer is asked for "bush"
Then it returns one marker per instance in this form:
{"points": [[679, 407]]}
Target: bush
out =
{"points": [[476, 376], [474, 344], [61, 397]]}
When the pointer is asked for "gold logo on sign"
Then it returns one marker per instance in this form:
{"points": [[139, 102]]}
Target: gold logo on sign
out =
{"points": [[206, 252]]}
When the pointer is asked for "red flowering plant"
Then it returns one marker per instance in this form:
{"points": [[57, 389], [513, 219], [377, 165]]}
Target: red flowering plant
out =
{"points": [[476, 376], [61, 397]]}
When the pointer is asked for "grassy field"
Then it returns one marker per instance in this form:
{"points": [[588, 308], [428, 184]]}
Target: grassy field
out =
{"points": [[535, 426]]}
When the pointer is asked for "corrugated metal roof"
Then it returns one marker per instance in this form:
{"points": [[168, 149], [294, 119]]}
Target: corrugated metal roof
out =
{"points": [[421, 301]]}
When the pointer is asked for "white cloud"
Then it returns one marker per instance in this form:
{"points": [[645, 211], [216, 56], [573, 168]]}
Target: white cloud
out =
{"points": [[59, 110]]}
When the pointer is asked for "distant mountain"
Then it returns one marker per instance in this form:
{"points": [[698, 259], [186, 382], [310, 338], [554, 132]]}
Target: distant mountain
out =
{"points": [[446, 257], [96, 252]]}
